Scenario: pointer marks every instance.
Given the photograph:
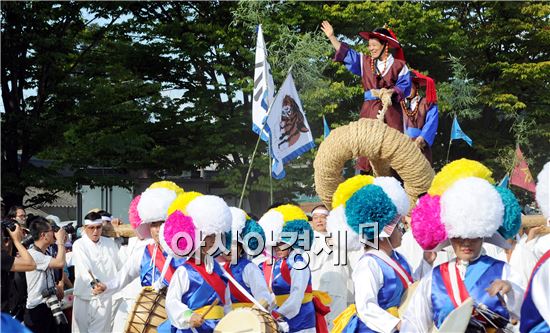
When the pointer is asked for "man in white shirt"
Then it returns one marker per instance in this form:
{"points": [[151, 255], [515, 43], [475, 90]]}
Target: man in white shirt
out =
{"points": [[38, 316], [329, 273], [98, 256]]}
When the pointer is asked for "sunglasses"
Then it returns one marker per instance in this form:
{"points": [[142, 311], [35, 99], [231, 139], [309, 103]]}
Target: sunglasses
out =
{"points": [[97, 227]]}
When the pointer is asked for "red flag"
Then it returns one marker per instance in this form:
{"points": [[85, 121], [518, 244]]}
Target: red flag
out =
{"points": [[521, 176]]}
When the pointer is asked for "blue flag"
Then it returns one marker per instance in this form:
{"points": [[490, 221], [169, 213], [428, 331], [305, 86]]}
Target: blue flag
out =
{"points": [[504, 182], [457, 133], [326, 128]]}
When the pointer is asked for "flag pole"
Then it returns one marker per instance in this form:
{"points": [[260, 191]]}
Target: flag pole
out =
{"points": [[270, 171], [250, 167], [449, 151]]}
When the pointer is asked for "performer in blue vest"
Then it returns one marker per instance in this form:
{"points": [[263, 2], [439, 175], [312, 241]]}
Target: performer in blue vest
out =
{"points": [[288, 234], [535, 311], [198, 295], [381, 276], [147, 214], [247, 238], [471, 210]]}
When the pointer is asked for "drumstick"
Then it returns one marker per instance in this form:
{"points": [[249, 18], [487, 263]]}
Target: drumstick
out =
{"points": [[216, 301]]}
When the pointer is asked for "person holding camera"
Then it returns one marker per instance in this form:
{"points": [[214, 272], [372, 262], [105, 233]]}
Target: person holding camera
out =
{"points": [[43, 309], [23, 262]]}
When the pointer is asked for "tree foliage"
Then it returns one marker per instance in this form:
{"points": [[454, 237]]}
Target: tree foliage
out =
{"points": [[166, 86]]}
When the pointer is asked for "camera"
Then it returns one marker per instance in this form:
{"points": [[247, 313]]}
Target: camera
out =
{"points": [[68, 228], [9, 224], [50, 296]]}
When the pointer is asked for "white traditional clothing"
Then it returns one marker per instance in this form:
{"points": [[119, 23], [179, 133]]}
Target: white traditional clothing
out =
{"points": [[124, 300], [420, 316], [93, 313], [535, 311], [329, 273]]}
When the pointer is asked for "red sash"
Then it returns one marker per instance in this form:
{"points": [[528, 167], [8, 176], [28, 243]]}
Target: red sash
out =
{"points": [[401, 277], [160, 260], [213, 280], [233, 289], [285, 274], [455, 290], [541, 261]]}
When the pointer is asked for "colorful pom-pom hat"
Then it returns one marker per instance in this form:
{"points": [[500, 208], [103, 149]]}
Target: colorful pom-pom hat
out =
{"points": [[246, 231], [463, 203], [365, 199], [543, 189], [280, 223], [153, 204], [205, 215]]}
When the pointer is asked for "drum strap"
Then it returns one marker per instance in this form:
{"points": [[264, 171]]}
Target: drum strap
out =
{"points": [[214, 280], [400, 271], [285, 274], [160, 262], [232, 288], [453, 283]]}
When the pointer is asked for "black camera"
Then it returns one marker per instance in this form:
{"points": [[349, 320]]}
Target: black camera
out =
{"points": [[50, 297], [9, 224], [68, 228]]}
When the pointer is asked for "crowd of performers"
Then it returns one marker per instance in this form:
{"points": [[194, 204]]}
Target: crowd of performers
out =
{"points": [[454, 245]]}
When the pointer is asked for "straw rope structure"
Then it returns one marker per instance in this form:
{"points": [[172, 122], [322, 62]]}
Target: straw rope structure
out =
{"points": [[385, 147]]}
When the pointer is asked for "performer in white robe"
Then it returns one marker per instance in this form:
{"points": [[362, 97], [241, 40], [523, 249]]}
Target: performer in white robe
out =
{"points": [[470, 209], [330, 270], [238, 264], [535, 311], [96, 254], [381, 275], [199, 283]]}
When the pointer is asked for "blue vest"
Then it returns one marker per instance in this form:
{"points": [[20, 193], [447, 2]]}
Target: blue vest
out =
{"points": [[479, 276], [237, 272], [531, 319], [306, 316], [200, 294], [388, 296], [147, 269]]}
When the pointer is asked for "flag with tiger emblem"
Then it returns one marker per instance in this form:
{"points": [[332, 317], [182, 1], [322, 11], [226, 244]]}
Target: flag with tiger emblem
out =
{"points": [[289, 132]]}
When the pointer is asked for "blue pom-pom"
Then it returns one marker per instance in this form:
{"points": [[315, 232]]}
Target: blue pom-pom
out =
{"points": [[252, 226], [368, 205], [512, 213], [303, 231]]}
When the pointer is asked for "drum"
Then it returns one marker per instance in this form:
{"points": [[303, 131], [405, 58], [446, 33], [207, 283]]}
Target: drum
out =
{"points": [[406, 298], [247, 320], [148, 311], [458, 319]]}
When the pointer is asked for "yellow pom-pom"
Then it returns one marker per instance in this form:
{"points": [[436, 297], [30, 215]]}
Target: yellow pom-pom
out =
{"points": [[456, 170], [345, 190], [167, 184], [181, 202], [291, 212]]}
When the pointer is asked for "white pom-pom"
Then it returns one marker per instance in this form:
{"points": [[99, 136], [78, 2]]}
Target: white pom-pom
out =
{"points": [[471, 208], [272, 223], [543, 189], [395, 191], [238, 218], [153, 204], [336, 222], [210, 214]]}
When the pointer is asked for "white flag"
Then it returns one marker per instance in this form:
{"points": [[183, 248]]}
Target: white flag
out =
{"points": [[289, 132], [264, 88]]}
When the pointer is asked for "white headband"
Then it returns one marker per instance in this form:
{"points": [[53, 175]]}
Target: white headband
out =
{"points": [[106, 218], [93, 222], [319, 210]]}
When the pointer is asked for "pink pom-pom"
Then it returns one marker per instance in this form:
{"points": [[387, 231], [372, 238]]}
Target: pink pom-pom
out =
{"points": [[133, 214], [426, 223], [178, 234]]}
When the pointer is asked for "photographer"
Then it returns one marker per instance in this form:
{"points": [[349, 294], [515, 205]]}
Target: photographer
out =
{"points": [[43, 313], [21, 263]]}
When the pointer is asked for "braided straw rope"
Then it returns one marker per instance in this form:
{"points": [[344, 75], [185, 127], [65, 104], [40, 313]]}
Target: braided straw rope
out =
{"points": [[385, 96], [385, 147]]}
